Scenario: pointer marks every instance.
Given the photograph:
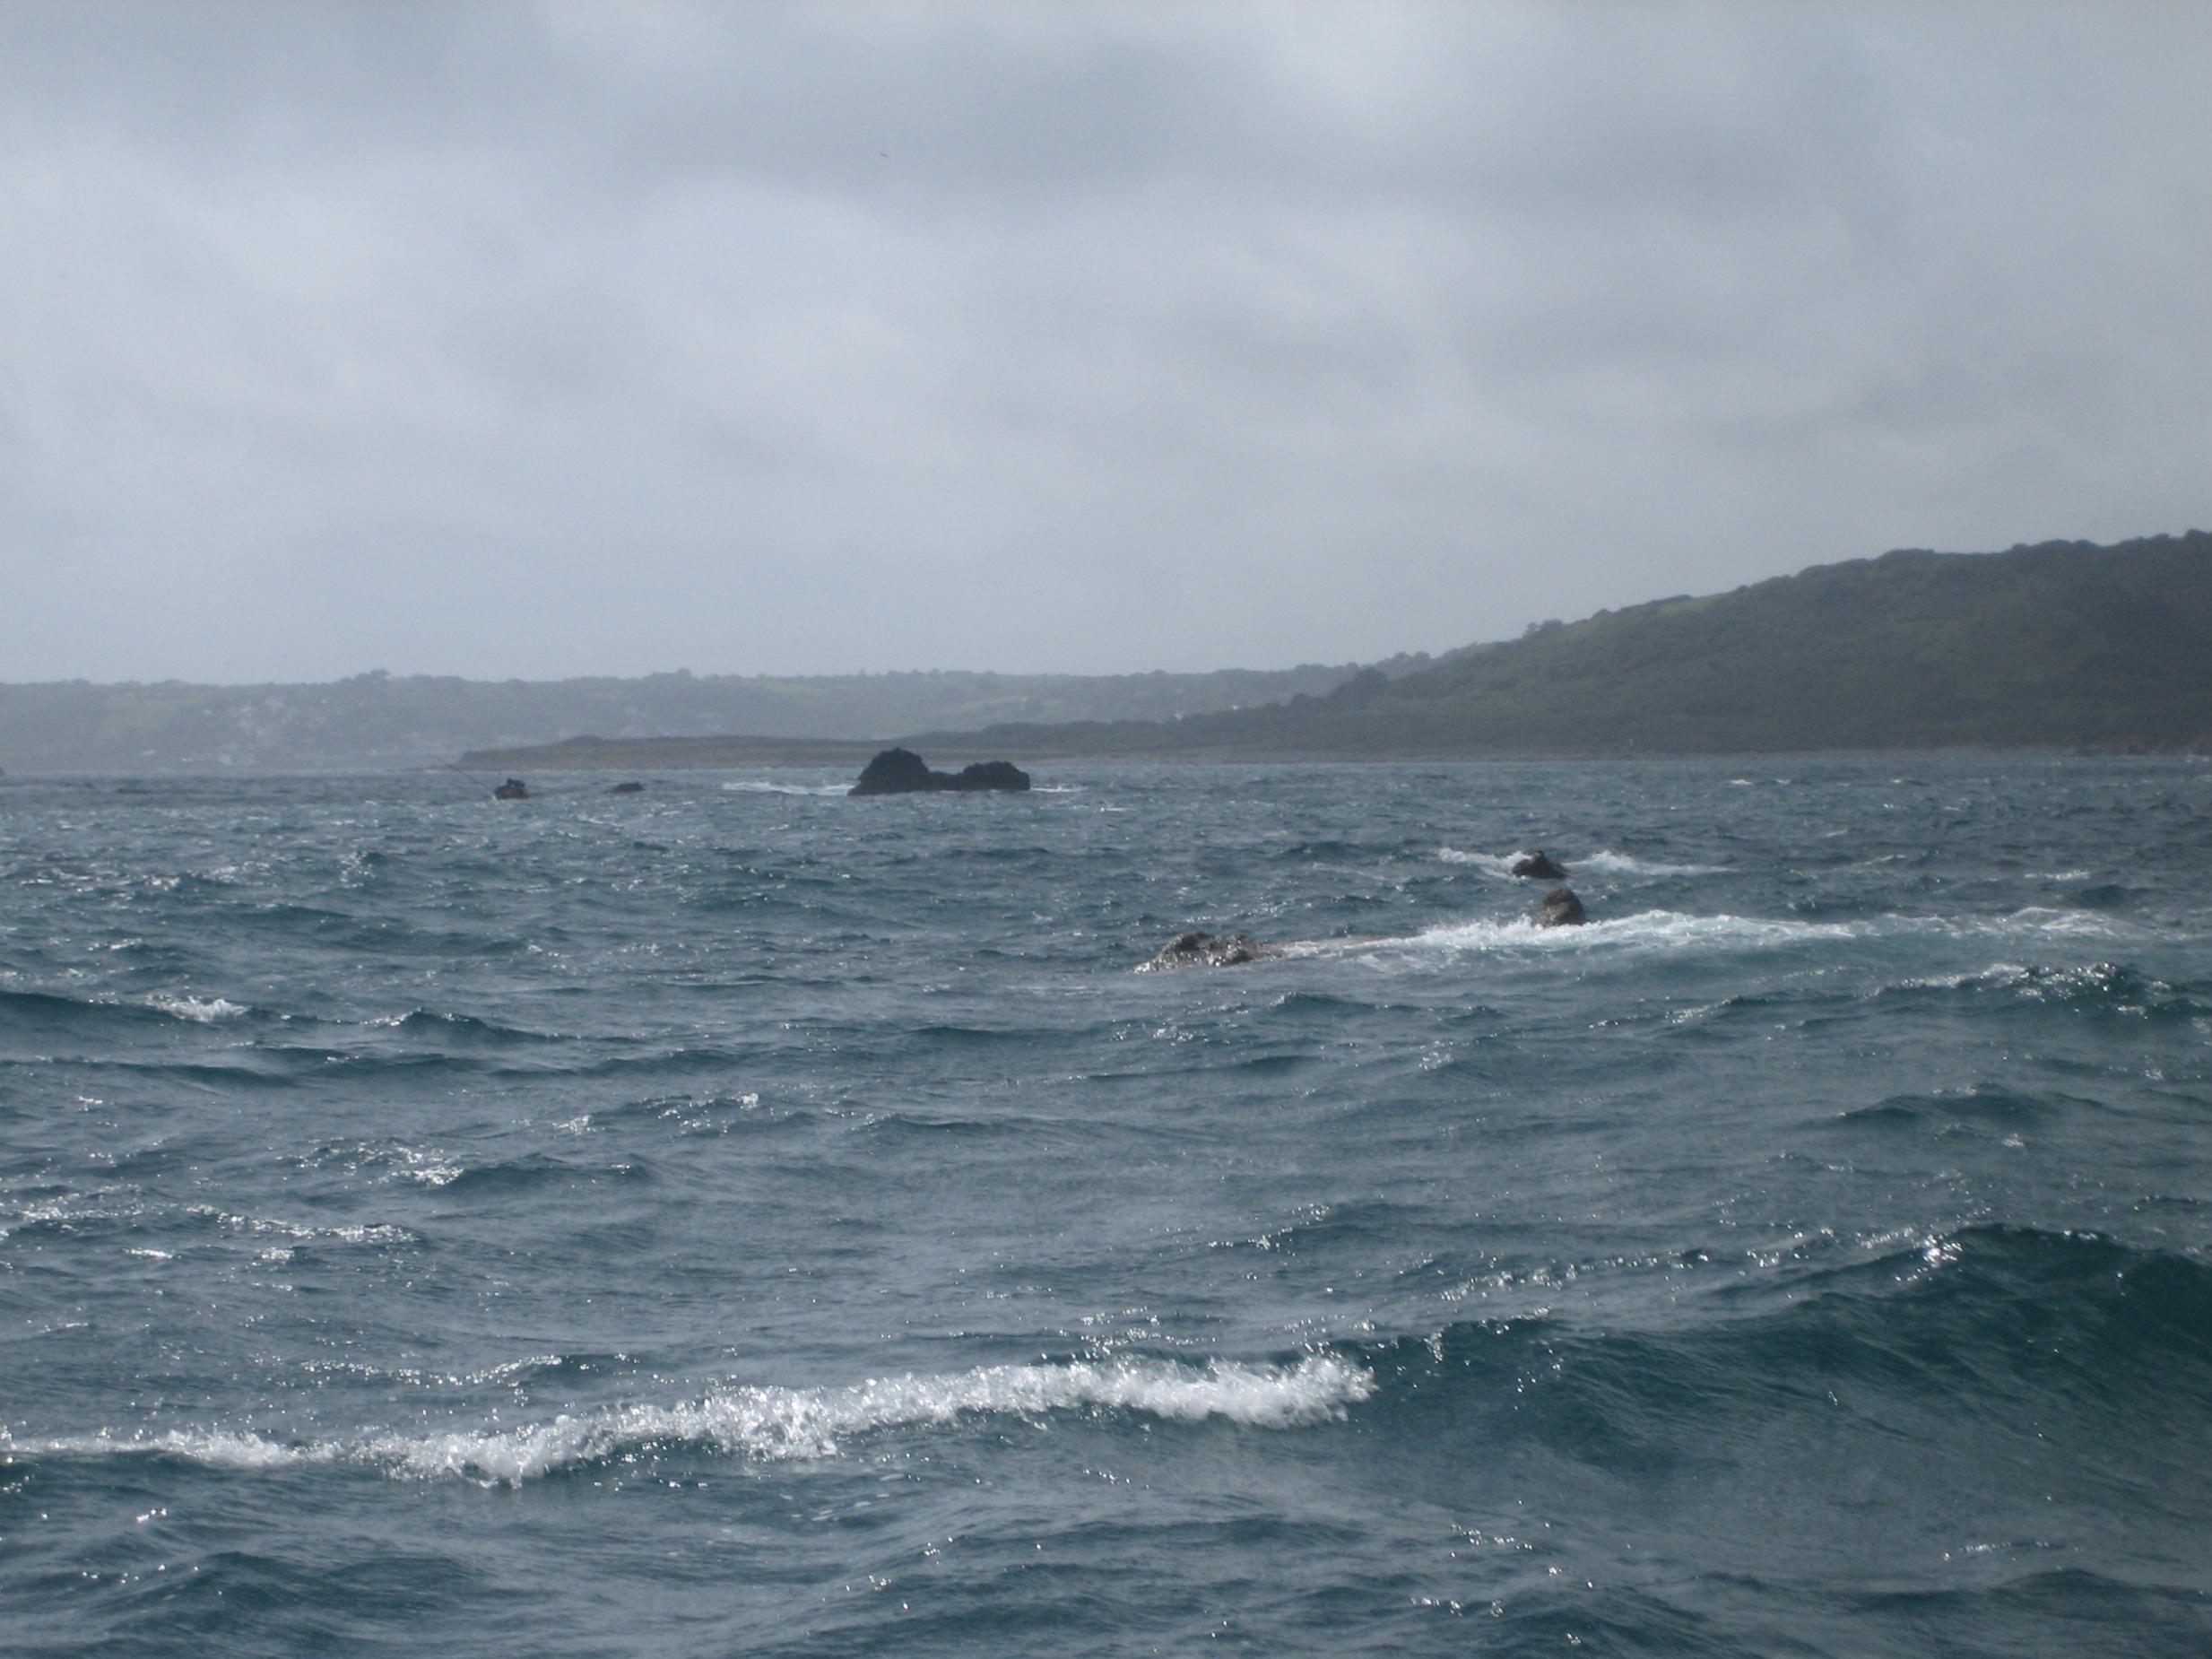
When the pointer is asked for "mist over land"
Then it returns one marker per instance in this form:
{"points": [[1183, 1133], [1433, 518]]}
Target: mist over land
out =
{"points": [[381, 720]]}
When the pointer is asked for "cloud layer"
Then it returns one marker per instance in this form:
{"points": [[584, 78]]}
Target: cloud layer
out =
{"points": [[573, 338]]}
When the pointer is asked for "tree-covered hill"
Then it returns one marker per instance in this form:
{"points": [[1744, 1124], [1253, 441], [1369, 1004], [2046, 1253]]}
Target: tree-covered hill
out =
{"points": [[2062, 645]]}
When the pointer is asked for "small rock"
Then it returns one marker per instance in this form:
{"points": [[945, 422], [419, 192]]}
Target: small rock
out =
{"points": [[1539, 866], [1559, 907]]}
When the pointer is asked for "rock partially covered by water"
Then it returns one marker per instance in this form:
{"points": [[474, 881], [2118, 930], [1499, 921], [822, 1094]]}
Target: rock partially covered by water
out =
{"points": [[1203, 950], [627, 789], [1540, 867], [1559, 907], [901, 772], [513, 789]]}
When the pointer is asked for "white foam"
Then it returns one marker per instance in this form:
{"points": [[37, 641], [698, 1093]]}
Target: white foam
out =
{"points": [[1653, 930], [754, 785], [350, 1232], [1610, 863], [771, 1424], [1499, 864], [1995, 974], [1648, 930], [203, 1011]]}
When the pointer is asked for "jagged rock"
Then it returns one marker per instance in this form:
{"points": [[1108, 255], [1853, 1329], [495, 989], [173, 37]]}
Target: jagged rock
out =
{"points": [[901, 772], [1539, 866], [1203, 950], [513, 789], [627, 789], [1559, 907]]}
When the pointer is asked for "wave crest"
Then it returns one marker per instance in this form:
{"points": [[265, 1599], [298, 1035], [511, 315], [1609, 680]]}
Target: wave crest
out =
{"points": [[771, 1424]]}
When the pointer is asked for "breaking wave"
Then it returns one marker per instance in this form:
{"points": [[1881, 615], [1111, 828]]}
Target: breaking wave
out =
{"points": [[1675, 930], [771, 1424]]}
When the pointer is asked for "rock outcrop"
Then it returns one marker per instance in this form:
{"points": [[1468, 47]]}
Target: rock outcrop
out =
{"points": [[1559, 907], [1203, 950], [513, 789], [901, 772], [1539, 866]]}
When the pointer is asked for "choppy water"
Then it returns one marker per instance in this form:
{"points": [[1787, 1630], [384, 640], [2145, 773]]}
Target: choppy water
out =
{"points": [[741, 1219]]}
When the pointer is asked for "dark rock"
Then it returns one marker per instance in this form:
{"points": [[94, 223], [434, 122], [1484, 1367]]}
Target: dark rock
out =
{"points": [[1203, 950], [901, 772], [895, 772], [990, 774], [627, 789], [1539, 866], [513, 789], [1559, 908]]}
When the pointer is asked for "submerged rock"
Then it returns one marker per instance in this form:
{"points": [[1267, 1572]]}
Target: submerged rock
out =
{"points": [[627, 789], [901, 772], [1559, 907], [1196, 949], [1540, 867]]}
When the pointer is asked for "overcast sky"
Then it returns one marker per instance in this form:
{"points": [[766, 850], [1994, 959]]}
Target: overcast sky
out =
{"points": [[565, 339]]}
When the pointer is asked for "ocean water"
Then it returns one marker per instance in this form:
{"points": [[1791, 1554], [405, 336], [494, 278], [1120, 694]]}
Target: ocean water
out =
{"points": [[743, 1220]]}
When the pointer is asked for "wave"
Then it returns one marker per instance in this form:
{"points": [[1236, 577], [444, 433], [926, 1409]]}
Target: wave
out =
{"points": [[1648, 930], [770, 1424], [754, 786], [1986, 1328], [466, 1029], [1675, 930], [53, 1009], [347, 1232], [1603, 862], [2096, 987], [1609, 863], [1498, 865], [200, 1011]]}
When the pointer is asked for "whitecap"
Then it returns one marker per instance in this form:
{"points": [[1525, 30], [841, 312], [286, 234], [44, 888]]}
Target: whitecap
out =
{"points": [[771, 1424], [1674, 930], [1648, 930], [1610, 863], [756, 786], [202, 1011], [348, 1232], [1498, 865]]}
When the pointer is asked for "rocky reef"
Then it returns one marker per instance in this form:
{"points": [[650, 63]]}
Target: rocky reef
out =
{"points": [[901, 772]]}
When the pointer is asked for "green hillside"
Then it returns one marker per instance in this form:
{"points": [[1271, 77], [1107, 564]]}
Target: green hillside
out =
{"points": [[2065, 644]]}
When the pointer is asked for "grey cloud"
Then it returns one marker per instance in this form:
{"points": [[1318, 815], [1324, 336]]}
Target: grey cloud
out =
{"points": [[574, 338]]}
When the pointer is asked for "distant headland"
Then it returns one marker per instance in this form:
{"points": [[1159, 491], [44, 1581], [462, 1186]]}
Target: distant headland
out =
{"points": [[2062, 646]]}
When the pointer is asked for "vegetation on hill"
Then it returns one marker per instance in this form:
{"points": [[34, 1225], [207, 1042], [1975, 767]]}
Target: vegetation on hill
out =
{"points": [[2064, 644]]}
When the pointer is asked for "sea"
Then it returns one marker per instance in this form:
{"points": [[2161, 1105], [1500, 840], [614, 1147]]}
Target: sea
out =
{"points": [[739, 1218]]}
